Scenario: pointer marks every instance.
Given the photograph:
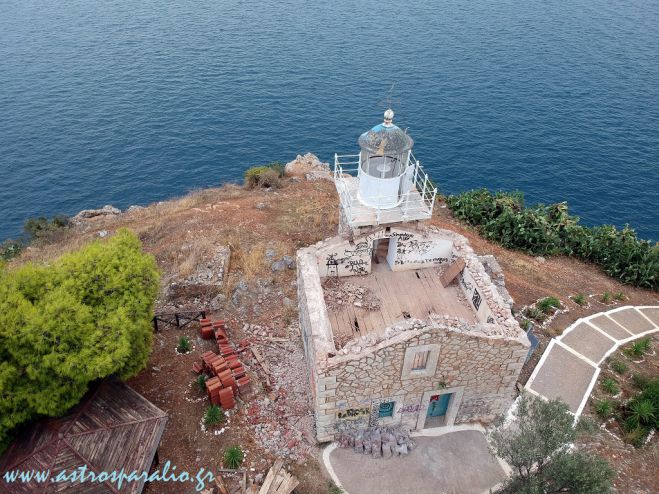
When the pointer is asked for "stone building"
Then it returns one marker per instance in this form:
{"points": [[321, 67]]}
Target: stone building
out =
{"points": [[402, 323]]}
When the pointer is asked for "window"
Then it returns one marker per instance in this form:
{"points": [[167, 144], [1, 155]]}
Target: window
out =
{"points": [[386, 409], [420, 360]]}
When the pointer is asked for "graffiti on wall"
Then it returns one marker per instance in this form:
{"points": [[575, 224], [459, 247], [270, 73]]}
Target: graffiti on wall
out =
{"points": [[411, 408], [476, 299], [353, 413]]}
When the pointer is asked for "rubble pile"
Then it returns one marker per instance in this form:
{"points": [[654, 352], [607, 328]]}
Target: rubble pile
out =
{"points": [[282, 419], [340, 294], [378, 442]]}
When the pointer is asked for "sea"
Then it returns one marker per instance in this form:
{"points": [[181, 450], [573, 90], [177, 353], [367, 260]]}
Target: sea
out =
{"points": [[128, 102]]}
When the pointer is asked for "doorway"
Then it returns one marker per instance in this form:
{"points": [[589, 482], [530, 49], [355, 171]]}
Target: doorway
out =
{"points": [[437, 410], [379, 258]]}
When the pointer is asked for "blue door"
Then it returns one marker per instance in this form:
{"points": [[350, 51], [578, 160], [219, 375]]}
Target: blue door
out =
{"points": [[439, 405]]}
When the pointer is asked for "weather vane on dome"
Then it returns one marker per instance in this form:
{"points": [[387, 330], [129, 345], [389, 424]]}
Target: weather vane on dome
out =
{"points": [[389, 101]]}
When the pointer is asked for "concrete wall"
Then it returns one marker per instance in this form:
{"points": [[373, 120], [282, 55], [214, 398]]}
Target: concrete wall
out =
{"points": [[408, 249]]}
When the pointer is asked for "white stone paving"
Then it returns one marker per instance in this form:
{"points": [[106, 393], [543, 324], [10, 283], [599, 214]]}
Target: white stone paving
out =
{"points": [[556, 377]]}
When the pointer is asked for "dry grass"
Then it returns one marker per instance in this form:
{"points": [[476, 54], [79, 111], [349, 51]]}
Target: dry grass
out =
{"points": [[193, 254]]}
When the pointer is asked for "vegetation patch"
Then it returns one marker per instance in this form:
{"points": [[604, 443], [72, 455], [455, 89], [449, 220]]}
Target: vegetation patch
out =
{"points": [[84, 317], [233, 457], [266, 176], [213, 415], [550, 230], [539, 455]]}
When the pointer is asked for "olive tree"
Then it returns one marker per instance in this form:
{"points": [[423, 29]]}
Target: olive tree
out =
{"points": [[536, 444]]}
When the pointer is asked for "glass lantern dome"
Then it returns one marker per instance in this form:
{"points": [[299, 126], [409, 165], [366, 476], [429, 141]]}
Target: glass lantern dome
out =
{"points": [[383, 164]]}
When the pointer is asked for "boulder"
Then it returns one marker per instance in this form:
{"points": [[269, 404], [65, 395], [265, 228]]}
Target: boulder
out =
{"points": [[308, 166], [86, 214]]}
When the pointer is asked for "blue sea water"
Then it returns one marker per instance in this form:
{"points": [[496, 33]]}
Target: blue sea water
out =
{"points": [[131, 101]]}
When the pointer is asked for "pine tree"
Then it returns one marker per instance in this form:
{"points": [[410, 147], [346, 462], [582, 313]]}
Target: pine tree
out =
{"points": [[85, 317]]}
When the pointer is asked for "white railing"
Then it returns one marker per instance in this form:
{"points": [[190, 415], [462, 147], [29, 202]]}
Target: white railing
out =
{"points": [[416, 203]]}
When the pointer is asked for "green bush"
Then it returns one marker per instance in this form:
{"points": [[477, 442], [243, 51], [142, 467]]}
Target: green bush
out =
{"points": [[233, 457], [10, 249], [38, 228], [641, 382], [619, 296], [610, 386], [643, 409], [548, 304], [638, 348], [201, 382], [264, 176], [605, 298], [605, 408], [81, 318], [183, 345], [550, 230], [619, 367], [535, 313], [579, 299], [213, 415]]}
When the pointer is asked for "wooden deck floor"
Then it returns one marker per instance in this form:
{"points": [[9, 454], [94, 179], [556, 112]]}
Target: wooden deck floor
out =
{"points": [[415, 292]]}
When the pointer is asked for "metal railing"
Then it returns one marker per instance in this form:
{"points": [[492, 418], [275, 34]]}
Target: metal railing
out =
{"points": [[416, 203]]}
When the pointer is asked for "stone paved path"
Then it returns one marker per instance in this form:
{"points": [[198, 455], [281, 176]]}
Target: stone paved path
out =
{"points": [[570, 365]]}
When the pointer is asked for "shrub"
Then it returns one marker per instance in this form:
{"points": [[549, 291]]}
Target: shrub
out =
{"points": [[636, 437], [619, 367], [641, 414], [579, 299], [10, 249], [605, 408], [233, 457], [610, 386], [213, 415], [535, 313], [605, 298], [201, 382], [183, 345], [82, 318], [643, 409], [619, 296], [264, 176], [638, 348], [548, 304], [41, 227], [538, 453], [334, 489], [642, 382], [550, 230]]}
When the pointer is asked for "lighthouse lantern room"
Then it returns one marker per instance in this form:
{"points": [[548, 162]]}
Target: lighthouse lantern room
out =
{"points": [[384, 183]]}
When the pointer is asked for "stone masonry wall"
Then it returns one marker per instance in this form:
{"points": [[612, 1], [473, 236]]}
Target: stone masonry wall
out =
{"points": [[479, 362], [351, 387]]}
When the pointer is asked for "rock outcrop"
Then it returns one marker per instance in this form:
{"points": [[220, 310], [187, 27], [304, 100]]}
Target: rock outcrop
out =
{"points": [[309, 167]]}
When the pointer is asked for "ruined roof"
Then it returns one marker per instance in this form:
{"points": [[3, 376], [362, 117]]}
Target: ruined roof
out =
{"points": [[113, 428]]}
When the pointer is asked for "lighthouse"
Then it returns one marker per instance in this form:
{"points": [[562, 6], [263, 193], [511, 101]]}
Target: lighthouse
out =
{"points": [[384, 183]]}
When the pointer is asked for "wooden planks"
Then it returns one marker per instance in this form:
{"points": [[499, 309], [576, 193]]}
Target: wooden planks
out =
{"points": [[414, 292], [278, 480], [454, 269]]}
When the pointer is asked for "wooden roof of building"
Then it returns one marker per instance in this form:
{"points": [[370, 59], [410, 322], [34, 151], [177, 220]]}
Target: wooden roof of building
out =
{"points": [[113, 428]]}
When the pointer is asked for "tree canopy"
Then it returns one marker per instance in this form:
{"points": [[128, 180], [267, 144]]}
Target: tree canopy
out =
{"points": [[536, 444], [82, 318]]}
